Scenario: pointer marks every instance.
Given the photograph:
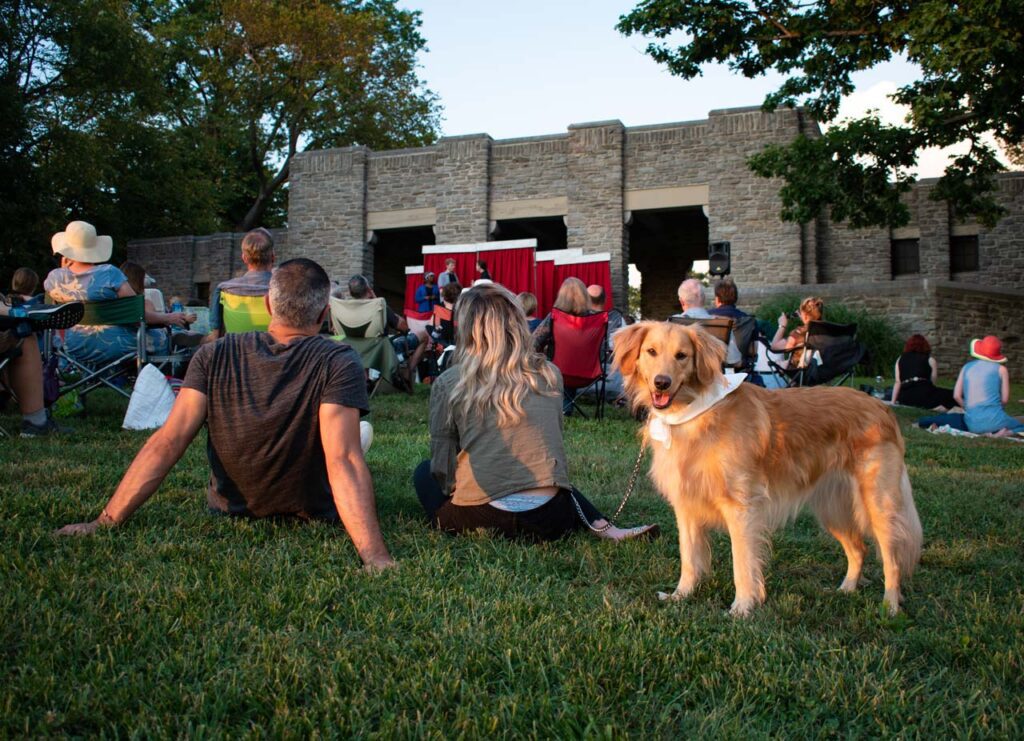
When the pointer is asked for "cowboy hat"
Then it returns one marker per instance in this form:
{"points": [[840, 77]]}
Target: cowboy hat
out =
{"points": [[989, 348], [80, 242]]}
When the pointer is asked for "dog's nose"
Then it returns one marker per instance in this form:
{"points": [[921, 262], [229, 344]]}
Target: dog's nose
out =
{"points": [[662, 382]]}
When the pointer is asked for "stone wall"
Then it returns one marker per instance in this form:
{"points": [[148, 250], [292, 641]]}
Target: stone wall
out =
{"points": [[530, 168], [595, 196], [858, 255]]}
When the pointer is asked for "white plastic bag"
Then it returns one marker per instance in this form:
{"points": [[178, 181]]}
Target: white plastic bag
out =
{"points": [[151, 401]]}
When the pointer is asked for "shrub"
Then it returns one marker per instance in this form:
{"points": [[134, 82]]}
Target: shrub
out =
{"points": [[878, 335]]}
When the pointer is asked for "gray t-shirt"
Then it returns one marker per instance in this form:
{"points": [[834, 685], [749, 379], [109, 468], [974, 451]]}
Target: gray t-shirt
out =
{"points": [[263, 401]]}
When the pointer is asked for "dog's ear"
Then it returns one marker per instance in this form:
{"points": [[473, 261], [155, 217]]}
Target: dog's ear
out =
{"points": [[708, 355], [627, 343]]}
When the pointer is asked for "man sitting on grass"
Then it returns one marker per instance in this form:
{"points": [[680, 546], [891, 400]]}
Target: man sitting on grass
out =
{"points": [[283, 410]]}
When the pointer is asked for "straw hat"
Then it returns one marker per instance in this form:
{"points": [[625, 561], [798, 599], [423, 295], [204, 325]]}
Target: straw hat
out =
{"points": [[80, 242], [989, 348]]}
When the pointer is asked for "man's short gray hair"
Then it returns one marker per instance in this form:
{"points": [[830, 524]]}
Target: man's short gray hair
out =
{"points": [[691, 292], [299, 290]]}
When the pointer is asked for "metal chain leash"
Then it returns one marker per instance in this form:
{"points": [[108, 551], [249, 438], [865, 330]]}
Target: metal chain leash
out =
{"points": [[629, 492]]}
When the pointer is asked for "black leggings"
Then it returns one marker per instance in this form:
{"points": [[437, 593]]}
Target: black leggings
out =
{"points": [[553, 520]]}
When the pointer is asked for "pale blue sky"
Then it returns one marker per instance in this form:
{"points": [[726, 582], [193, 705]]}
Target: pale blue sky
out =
{"points": [[531, 67]]}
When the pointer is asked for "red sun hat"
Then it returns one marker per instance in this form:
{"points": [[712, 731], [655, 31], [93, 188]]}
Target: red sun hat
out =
{"points": [[989, 348]]}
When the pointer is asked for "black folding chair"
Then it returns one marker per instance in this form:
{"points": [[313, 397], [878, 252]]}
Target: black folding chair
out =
{"points": [[831, 353]]}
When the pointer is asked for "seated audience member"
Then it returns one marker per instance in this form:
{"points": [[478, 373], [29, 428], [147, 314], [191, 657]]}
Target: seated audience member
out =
{"points": [[282, 409], [449, 295], [448, 276], [529, 303], [258, 256], [982, 388], [84, 276], [613, 381], [441, 333], [407, 345], [915, 374], [427, 294], [573, 299], [726, 296], [24, 369], [157, 339], [812, 309], [691, 301], [24, 287], [497, 456]]}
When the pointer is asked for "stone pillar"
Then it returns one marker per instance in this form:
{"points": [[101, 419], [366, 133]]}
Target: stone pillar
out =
{"points": [[327, 210], [463, 186], [744, 208], [933, 221], [595, 220]]}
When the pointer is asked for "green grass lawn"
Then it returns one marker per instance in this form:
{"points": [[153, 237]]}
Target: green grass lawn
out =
{"points": [[181, 623]]}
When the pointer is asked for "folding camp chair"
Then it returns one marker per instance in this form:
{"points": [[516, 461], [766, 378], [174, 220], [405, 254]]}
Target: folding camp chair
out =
{"points": [[244, 313], [719, 327], [362, 324], [130, 312], [442, 334], [580, 355], [831, 352]]}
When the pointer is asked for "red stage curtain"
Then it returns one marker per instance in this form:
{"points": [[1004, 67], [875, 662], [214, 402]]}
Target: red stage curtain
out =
{"points": [[412, 282], [546, 288], [511, 268], [465, 265], [591, 273]]}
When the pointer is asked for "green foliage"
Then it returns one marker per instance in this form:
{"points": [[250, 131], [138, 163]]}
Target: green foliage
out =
{"points": [[876, 332], [971, 57], [169, 117], [185, 624]]}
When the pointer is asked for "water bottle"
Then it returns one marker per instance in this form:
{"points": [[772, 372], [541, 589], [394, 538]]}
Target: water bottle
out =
{"points": [[879, 388], [177, 307]]}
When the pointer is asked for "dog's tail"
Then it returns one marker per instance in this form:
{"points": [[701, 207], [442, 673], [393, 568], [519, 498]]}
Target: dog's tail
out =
{"points": [[909, 535]]}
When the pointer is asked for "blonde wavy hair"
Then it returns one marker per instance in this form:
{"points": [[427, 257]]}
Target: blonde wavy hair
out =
{"points": [[494, 352], [573, 297], [813, 307]]}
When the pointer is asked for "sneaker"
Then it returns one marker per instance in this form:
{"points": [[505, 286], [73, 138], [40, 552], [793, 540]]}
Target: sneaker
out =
{"points": [[50, 427], [59, 316]]}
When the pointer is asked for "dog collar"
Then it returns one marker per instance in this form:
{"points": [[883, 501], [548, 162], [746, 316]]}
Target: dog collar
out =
{"points": [[658, 423]]}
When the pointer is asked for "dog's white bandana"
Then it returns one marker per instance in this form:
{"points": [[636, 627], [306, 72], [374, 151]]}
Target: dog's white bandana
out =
{"points": [[658, 423]]}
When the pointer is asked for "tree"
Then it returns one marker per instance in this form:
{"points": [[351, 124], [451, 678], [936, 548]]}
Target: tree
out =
{"points": [[156, 117], [971, 57], [257, 81]]}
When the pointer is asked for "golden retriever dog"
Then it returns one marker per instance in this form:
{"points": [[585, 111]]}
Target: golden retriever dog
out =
{"points": [[751, 460]]}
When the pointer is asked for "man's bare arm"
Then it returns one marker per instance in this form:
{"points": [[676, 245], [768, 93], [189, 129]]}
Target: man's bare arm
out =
{"points": [[351, 484], [163, 449]]}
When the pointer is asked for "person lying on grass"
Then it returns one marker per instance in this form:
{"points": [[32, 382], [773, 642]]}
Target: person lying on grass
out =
{"points": [[283, 410], [497, 455]]}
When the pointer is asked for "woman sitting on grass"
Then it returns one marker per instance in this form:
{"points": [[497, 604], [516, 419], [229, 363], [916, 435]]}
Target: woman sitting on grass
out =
{"points": [[916, 372], [497, 455], [982, 388]]}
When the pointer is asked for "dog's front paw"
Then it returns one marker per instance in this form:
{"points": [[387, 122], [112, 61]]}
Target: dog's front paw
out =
{"points": [[670, 596], [742, 608]]}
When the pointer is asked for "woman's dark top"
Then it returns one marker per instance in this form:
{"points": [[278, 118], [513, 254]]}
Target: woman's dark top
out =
{"points": [[916, 387]]}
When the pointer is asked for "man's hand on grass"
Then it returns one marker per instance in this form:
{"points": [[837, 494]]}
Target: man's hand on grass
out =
{"points": [[380, 564], [79, 528]]}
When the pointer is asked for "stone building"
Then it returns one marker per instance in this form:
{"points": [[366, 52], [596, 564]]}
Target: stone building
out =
{"points": [[651, 196]]}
